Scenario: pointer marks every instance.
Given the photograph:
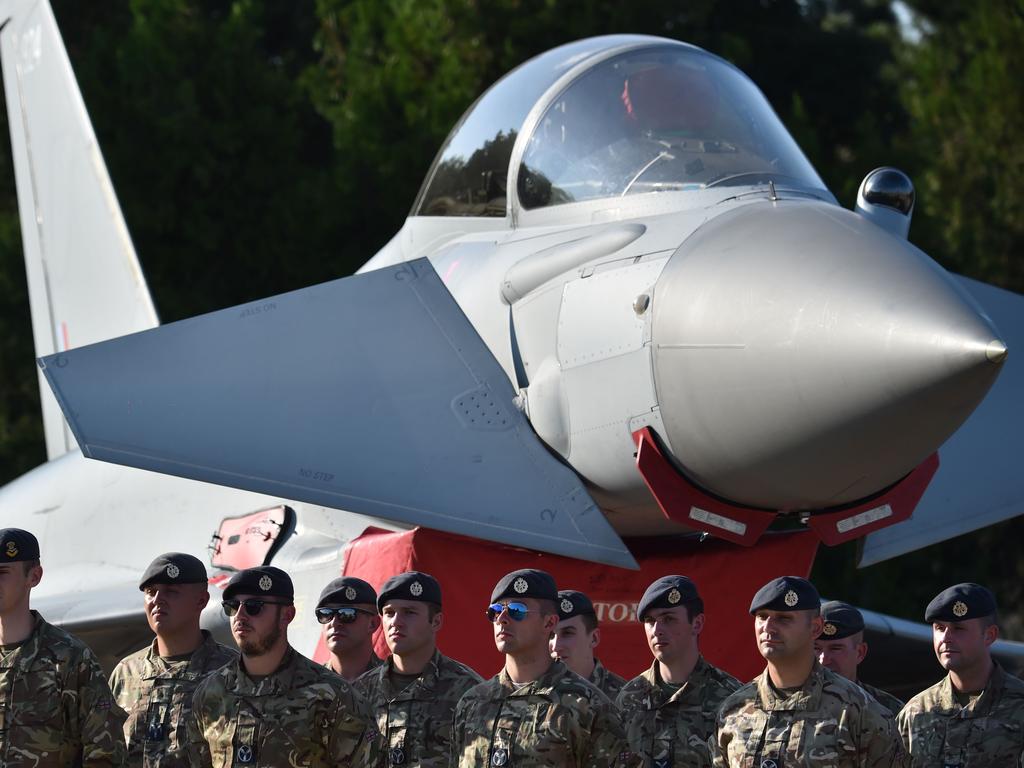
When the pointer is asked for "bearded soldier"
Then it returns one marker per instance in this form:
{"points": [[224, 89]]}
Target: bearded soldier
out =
{"points": [[274, 707], [155, 685]]}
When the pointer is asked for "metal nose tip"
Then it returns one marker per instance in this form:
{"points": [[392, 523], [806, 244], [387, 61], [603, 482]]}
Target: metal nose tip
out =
{"points": [[996, 351]]}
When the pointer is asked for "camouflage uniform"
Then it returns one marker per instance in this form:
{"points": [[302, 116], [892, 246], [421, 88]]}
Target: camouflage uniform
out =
{"points": [[559, 719], [300, 715], [830, 721], [55, 706], [374, 662], [416, 722], [884, 698], [609, 683], [673, 731], [987, 733], [157, 695]]}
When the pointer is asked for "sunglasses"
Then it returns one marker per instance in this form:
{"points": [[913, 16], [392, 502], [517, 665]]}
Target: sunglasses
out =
{"points": [[252, 607], [516, 611], [346, 614]]}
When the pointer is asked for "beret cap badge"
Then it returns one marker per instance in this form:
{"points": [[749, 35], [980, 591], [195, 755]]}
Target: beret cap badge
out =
{"points": [[350, 593], [566, 605], [960, 608], [830, 629], [520, 585], [416, 589], [266, 583], [12, 549], [674, 596], [173, 571]]}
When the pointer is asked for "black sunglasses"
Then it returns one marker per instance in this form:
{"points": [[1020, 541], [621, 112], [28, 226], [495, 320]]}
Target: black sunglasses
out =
{"points": [[516, 611], [346, 614], [252, 607]]}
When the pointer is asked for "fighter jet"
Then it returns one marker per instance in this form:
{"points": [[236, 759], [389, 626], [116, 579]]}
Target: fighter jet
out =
{"points": [[624, 303]]}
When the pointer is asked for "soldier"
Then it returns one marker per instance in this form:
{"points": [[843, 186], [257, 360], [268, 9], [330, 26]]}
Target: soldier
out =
{"points": [[841, 648], [797, 712], [274, 707], [973, 717], [576, 637], [536, 711], [669, 710], [155, 685], [414, 693], [55, 706], [349, 625]]}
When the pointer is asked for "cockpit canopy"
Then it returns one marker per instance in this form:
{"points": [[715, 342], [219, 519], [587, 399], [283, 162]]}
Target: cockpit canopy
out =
{"points": [[610, 117]]}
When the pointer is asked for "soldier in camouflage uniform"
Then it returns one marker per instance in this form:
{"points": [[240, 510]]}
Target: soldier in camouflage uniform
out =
{"points": [[349, 627], [55, 706], [669, 710], [275, 708], [841, 648], [797, 712], [576, 637], [414, 693], [536, 711], [155, 685], [974, 717]]}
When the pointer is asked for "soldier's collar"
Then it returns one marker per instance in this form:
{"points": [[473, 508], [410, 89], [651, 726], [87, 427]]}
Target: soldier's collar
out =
{"points": [[807, 697], [982, 705]]}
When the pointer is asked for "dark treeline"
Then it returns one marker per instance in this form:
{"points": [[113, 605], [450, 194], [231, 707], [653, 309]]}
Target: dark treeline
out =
{"points": [[262, 145]]}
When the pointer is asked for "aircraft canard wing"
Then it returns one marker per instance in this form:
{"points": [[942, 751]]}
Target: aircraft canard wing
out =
{"points": [[84, 280], [979, 482], [371, 394]]}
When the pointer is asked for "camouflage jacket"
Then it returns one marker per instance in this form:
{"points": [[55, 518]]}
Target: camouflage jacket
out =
{"points": [[157, 695], [609, 683], [830, 721], [988, 732], [300, 715], [884, 698], [560, 719], [673, 730], [416, 722], [55, 706], [374, 662]]}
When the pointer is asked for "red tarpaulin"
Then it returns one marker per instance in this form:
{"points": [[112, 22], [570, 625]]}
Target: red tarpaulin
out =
{"points": [[727, 576]]}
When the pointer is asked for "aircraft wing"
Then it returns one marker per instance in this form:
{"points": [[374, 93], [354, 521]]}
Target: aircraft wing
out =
{"points": [[979, 482], [372, 394]]}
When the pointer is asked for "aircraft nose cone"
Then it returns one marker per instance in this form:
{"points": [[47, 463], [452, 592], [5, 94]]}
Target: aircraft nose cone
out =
{"points": [[804, 358]]}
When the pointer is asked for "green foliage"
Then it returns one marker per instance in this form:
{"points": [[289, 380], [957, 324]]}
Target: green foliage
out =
{"points": [[262, 145], [965, 97]]}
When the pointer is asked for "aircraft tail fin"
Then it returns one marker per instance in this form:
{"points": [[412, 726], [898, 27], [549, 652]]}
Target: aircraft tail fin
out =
{"points": [[84, 280]]}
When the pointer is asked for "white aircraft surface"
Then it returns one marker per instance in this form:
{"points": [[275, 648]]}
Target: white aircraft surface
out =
{"points": [[624, 303]]}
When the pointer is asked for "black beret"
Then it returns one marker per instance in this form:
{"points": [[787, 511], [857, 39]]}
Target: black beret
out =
{"points": [[265, 581], [572, 603], [347, 590], [961, 602], [527, 582], [786, 593], [174, 568], [17, 546], [667, 592], [841, 620], [411, 585]]}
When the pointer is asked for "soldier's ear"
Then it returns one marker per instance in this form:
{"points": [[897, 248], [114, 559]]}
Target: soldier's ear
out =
{"points": [[437, 621], [35, 575], [698, 624], [595, 638]]}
